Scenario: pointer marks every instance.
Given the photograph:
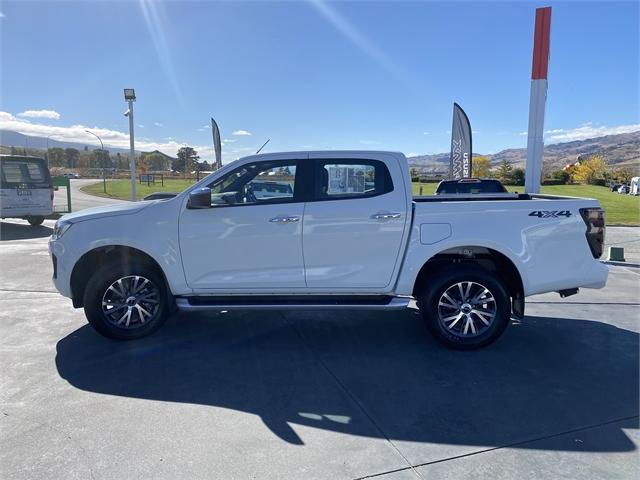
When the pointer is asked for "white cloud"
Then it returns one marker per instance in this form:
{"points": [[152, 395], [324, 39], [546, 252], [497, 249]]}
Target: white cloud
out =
{"points": [[158, 124], [426, 133], [584, 131], [203, 128], [229, 140], [241, 133], [40, 114], [140, 125], [76, 133], [2, 15], [523, 133], [411, 154]]}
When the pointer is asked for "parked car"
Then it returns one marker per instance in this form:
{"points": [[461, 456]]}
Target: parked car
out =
{"points": [[624, 189], [71, 175], [329, 243], [470, 185], [26, 189], [615, 187]]}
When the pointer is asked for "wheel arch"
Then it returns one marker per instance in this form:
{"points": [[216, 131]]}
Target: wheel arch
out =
{"points": [[487, 258], [100, 256]]}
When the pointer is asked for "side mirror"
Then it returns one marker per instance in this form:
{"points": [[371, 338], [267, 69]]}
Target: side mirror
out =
{"points": [[199, 198]]}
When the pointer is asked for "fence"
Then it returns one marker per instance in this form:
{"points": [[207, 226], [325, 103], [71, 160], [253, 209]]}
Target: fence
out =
{"points": [[62, 195]]}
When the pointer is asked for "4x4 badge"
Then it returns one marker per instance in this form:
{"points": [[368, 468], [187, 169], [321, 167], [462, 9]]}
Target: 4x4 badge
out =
{"points": [[550, 213]]}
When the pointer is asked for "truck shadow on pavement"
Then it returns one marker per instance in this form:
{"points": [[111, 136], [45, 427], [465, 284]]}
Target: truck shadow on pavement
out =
{"points": [[377, 375], [23, 231]]}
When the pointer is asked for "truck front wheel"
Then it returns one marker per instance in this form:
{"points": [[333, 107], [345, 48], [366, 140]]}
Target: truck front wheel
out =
{"points": [[125, 302], [465, 308]]}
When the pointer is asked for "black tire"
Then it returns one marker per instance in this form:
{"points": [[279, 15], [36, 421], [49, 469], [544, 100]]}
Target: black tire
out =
{"points": [[98, 289], [35, 220], [435, 313]]}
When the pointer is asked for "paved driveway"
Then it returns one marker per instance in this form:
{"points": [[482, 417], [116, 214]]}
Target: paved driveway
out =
{"points": [[309, 395]]}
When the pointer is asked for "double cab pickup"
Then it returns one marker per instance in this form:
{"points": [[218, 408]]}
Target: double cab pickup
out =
{"points": [[326, 230]]}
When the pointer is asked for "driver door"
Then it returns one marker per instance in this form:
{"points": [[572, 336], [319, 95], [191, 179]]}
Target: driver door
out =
{"points": [[251, 237]]}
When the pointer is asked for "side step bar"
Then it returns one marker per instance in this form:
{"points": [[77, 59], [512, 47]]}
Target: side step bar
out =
{"points": [[213, 303]]}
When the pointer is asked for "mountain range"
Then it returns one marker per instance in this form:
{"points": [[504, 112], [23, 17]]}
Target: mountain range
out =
{"points": [[9, 138], [621, 149]]}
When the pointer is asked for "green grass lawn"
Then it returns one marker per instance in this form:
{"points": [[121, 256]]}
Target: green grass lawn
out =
{"points": [[621, 209], [122, 188]]}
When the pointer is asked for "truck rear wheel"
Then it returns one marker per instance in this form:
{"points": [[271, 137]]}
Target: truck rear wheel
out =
{"points": [[465, 308], [125, 302], [35, 220]]}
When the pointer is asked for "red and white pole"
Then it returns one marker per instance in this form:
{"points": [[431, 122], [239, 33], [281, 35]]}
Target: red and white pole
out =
{"points": [[535, 141]]}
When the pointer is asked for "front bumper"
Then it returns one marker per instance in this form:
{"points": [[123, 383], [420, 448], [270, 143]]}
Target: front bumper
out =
{"points": [[61, 268]]}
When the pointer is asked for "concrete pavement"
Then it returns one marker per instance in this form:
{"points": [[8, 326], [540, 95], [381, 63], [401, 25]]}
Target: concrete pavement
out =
{"points": [[306, 395]]}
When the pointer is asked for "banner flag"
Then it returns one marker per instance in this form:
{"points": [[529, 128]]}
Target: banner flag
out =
{"points": [[217, 144], [460, 163]]}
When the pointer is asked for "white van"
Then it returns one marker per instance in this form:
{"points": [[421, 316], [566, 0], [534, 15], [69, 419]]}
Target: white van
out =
{"points": [[635, 186], [26, 190]]}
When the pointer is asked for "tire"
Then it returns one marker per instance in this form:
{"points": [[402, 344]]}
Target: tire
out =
{"points": [[467, 319], [35, 220], [114, 286]]}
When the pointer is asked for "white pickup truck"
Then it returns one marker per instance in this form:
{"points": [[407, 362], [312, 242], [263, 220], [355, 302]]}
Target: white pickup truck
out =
{"points": [[326, 230]]}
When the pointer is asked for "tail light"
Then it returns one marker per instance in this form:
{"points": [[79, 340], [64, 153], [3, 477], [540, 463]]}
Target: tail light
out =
{"points": [[595, 220]]}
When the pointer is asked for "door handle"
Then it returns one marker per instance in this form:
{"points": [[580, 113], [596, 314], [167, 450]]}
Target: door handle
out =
{"points": [[284, 219], [385, 216]]}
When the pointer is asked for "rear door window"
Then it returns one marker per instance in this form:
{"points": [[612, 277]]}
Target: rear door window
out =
{"points": [[345, 179], [24, 172]]}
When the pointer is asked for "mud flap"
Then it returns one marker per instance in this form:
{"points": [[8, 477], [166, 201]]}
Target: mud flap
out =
{"points": [[517, 306]]}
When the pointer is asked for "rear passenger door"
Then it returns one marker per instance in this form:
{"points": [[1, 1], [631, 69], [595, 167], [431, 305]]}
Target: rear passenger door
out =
{"points": [[353, 223]]}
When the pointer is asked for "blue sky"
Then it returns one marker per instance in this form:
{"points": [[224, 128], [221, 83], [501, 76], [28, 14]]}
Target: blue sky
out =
{"points": [[314, 75]]}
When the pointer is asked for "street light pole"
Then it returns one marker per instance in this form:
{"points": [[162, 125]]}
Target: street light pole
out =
{"points": [[130, 97], [104, 176], [47, 155]]}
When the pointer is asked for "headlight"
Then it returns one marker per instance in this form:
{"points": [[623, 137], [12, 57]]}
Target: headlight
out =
{"points": [[59, 228]]}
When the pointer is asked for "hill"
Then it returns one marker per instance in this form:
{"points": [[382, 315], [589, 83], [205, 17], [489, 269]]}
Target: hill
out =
{"points": [[10, 138], [622, 149]]}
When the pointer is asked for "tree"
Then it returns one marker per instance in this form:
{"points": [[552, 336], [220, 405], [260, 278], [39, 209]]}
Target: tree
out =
{"points": [[71, 156], [56, 157], [517, 176], [504, 173], [591, 171], [623, 174], [154, 161], [187, 159], [561, 176], [100, 159], [481, 167]]}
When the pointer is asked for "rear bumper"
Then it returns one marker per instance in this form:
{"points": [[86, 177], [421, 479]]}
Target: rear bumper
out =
{"points": [[597, 277]]}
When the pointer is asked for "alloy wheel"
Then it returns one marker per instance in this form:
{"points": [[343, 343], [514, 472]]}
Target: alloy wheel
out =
{"points": [[467, 309], [130, 302]]}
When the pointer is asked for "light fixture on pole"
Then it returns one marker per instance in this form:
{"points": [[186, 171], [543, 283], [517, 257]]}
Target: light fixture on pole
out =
{"points": [[130, 97]]}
